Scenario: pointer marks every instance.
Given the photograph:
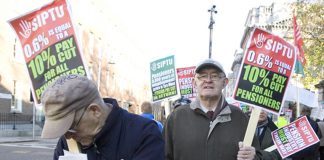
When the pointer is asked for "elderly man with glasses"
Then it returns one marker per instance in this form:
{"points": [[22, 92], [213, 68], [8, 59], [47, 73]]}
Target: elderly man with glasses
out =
{"points": [[208, 128], [74, 109]]}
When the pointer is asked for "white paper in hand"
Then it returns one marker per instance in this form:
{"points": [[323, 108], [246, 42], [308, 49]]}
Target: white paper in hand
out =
{"points": [[73, 156]]}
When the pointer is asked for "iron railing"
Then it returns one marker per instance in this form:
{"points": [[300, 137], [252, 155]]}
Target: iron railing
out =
{"points": [[15, 121]]}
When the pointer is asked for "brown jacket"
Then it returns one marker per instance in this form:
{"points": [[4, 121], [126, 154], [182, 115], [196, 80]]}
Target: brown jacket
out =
{"points": [[190, 135]]}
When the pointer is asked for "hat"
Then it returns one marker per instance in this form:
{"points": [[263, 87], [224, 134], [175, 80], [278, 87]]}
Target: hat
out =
{"points": [[181, 101], [62, 99], [211, 63]]}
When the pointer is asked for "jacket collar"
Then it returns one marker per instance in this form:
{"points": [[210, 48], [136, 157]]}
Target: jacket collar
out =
{"points": [[223, 116], [110, 122], [195, 105], [147, 115]]}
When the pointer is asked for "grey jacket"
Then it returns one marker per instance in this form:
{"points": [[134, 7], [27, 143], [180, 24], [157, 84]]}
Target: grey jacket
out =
{"points": [[190, 135]]}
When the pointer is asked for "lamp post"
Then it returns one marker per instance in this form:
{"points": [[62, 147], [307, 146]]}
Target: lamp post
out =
{"points": [[211, 24], [14, 123]]}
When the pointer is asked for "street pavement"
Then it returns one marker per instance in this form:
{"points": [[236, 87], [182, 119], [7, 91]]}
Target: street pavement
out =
{"points": [[18, 139], [26, 148], [26, 140]]}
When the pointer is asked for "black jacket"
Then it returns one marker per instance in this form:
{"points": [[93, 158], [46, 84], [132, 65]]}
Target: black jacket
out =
{"points": [[265, 139], [124, 136]]}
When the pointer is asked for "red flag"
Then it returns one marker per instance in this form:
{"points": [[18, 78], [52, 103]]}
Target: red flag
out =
{"points": [[298, 42]]}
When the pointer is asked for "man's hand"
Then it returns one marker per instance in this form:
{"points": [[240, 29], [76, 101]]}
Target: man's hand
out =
{"points": [[245, 152]]}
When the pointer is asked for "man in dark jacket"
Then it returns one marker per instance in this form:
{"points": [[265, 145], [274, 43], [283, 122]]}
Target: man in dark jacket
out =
{"points": [[104, 131], [263, 131], [209, 128]]}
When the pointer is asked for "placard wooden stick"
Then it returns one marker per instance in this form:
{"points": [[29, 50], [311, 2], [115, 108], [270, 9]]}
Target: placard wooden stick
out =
{"points": [[249, 134], [73, 145]]}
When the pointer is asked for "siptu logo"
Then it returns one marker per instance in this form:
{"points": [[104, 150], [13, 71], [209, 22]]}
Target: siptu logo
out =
{"points": [[260, 41], [153, 66], [25, 28], [181, 73]]}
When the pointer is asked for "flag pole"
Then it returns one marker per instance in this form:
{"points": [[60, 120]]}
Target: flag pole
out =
{"points": [[211, 24], [300, 59], [297, 104]]}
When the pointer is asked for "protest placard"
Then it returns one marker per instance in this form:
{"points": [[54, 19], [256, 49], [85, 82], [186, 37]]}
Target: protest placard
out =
{"points": [[264, 75], [163, 78], [185, 79], [294, 137], [49, 45], [267, 66]]}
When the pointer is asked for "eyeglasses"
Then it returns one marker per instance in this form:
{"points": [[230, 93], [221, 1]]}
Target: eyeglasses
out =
{"points": [[213, 77], [73, 127]]}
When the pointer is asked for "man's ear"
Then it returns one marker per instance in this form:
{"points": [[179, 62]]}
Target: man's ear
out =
{"points": [[95, 109]]}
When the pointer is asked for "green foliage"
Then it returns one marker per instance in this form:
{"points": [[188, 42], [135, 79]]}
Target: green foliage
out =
{"points": [[310, 17]]}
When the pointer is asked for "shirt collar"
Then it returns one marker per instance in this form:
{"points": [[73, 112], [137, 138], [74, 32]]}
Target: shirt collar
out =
{"points": [[204, 109], [196, 104]]}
